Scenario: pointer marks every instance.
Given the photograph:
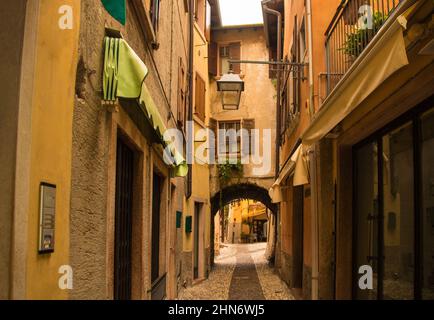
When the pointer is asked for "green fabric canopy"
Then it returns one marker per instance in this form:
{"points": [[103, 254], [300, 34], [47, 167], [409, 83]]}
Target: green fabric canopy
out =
{"points": [[124, 75], [117, 9]]}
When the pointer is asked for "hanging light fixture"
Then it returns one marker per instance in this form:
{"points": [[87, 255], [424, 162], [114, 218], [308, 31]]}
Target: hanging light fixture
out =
{"points": [[230, 85]]}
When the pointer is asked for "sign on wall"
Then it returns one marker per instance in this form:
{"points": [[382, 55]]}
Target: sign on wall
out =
{"points": [[47, 215]]}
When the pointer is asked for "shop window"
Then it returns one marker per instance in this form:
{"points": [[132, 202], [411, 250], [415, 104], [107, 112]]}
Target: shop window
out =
{"points": [[394, 209], [427, 124]]}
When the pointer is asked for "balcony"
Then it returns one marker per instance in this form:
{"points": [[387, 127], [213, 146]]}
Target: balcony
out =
{"points": [[353, 27]]}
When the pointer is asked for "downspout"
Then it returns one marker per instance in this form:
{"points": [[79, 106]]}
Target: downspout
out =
{"points": [[310, 53], [278, 120], [279, 59], [190, 98], [314, 222], [312, 158]]}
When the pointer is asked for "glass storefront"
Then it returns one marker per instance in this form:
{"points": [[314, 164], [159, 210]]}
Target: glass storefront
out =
{"points": [[394, 209], [427, 123]]}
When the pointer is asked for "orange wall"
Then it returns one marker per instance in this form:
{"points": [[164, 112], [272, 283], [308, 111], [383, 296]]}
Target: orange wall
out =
{"points": [[322, 15]]}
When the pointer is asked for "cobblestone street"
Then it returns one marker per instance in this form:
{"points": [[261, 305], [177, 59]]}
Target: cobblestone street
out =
{"points": [[241, 272]]}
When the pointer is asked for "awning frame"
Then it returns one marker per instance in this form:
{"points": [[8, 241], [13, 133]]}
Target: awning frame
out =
{"points": [[396, 22]]}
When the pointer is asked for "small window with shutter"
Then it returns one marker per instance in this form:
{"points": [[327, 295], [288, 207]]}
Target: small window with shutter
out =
{"points": [[213, 58], [231, 51], [229, 144]]}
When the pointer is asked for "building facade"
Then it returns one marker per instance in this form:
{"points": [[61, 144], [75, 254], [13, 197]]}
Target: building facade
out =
{"points": [[36, 147], [356, 118], [95, 192]]}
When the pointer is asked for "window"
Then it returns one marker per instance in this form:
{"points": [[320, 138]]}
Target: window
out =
{"points": [[427, 124], [181, 104], [291, 92], [232, 142], [228, 52], [296, 74], [213, 58], [200, 89], [302, 40], [154, 13], [199, 13], [393, 208], [202, 14], [230, 139]]}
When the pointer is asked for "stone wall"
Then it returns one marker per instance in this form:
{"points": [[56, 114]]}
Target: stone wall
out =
{"points": [[92, 131], [286, 268]]}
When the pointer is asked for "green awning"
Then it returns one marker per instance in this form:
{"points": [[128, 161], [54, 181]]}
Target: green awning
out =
{"points": [[124, 75], [117, 9]]}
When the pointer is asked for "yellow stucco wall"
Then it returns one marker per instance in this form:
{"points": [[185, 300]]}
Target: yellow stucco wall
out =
{"points": [[55, 69], [201, 189]]}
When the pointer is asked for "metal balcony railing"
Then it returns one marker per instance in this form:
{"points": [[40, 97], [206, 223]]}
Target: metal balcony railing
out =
{"points": [[354, 25]]}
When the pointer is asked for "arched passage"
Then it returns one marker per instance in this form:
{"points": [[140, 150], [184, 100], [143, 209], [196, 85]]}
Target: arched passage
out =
{"points": [[241, 191], [235, 192]]}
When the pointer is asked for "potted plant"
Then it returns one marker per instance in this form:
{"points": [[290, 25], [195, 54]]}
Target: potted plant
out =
{"points": [[358, 40]]}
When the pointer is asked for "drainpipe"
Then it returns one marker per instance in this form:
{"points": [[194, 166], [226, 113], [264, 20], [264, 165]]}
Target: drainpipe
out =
{"points": [[312, 158], [279, 59], [310, 53], [190, 96], [314, 222], [278, 120]]}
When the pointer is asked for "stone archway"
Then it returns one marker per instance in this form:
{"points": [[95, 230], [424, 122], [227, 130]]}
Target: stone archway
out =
{"points": [[242, 191], [234, 192]]}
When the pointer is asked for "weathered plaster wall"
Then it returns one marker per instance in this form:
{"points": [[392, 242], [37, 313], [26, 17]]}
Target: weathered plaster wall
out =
{"points": [[200, 170], [257, 102], [91, 245], [56, 57]]}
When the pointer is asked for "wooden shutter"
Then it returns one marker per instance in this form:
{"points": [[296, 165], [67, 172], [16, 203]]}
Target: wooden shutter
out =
{"points": [[221, 139], [200, 97], [200, 14], [207, 21], [213, 58], [249, 125], [196, 9], [296, 73], [181, 94], [213, 148], [235, 54]]}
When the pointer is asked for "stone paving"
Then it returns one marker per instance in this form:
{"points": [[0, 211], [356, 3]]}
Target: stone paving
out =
{"points": [[241, 272]]}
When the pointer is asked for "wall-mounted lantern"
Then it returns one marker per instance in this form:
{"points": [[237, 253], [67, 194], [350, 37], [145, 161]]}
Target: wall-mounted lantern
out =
{"points": [[230, 85]]}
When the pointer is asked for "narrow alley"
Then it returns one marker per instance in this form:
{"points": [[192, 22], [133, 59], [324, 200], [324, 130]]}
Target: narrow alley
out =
{"points": [[241, 272], [169, 150]]}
